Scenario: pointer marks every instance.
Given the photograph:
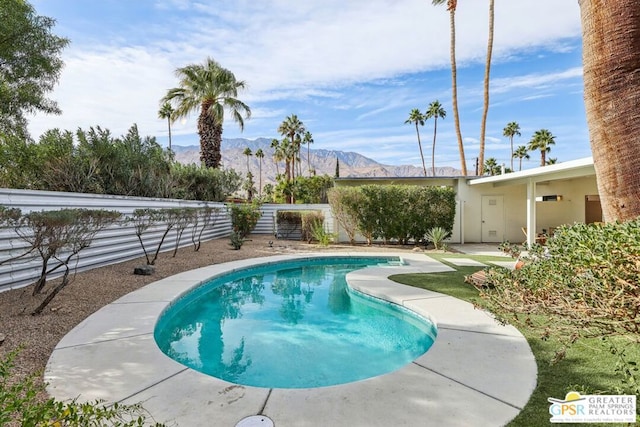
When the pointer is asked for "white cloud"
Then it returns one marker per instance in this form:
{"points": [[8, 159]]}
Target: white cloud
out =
{"points": [[349, 57]]}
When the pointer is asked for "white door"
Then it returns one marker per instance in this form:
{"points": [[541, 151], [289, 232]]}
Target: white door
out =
{"points": [[492, 219]]}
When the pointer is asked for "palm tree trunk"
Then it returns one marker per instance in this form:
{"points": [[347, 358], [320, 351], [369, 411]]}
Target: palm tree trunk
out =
{"points": [[433, 146], [260, 178], [611, 60], [511, 140], [543, 157], [487, 70], [424, 168], [454, 89], [520, 168], [169, 124]]}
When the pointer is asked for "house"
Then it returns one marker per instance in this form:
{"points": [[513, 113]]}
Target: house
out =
{"points": [[493, 209]]}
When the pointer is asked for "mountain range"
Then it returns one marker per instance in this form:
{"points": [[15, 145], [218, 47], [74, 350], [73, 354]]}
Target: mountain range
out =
{"points": [[352, 164]]}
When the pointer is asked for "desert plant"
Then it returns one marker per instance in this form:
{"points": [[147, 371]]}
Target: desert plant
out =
{"points": [[203, 219], [437, 236], [20, 402], [321, 235], [244, 217], [237, 240], [143, 219], [343, 201], [311, 221], [59, 236]]}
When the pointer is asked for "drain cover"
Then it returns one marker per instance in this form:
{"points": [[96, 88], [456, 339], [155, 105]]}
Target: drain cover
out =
{"points": [[255, 421]]}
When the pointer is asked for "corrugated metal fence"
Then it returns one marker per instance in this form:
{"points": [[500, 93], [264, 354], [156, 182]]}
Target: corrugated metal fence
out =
{"points": [[118, 242]]}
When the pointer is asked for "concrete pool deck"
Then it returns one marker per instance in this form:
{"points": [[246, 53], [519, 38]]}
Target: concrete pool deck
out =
{"points": [[476, 373]]}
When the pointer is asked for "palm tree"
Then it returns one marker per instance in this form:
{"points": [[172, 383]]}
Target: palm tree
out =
{"points": [[491, 167], [451, 7], [247, 152], [512, 129], [542, 140], [293, 129], [417, 118], [436, 111], [165, 112], [259, 155], [277, 154], [487, 71], [552, 161], [308, 139], [521, 153], [212, 89], [610, 59]]}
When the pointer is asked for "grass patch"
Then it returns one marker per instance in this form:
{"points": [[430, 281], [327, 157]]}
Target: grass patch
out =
{"points": [[588, 367]]}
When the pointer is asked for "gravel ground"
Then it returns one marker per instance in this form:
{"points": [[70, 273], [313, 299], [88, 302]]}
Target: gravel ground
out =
{"points": [[38, 335]]}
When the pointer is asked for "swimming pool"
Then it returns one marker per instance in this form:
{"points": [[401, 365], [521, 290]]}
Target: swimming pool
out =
{"points": [[291, 324]]}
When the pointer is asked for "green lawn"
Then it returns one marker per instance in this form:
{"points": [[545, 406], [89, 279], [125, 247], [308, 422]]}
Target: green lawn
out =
{"points": [[588, 367]]}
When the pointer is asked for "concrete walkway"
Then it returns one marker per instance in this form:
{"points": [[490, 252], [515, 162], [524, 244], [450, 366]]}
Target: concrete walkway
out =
{"points": [[476, 373]]}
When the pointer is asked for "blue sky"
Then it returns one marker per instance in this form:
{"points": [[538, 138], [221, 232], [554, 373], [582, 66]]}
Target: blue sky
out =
{"points": [[351, 70]]}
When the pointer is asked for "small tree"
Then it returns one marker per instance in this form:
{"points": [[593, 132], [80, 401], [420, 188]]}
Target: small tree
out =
{"points": [[203, 219], [143, 219], [60, 236], [342, 201]]}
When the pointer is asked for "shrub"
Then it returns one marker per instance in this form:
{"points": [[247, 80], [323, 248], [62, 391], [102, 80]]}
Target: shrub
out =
{"points": [[344, 202], [322, 236], [394, 212], [19, 402], [587, 280], [437, 236], [58, 236], [310, 221], [244, 217]]}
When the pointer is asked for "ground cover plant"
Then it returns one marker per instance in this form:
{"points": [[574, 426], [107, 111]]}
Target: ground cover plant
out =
{"points": [[588, 366]]}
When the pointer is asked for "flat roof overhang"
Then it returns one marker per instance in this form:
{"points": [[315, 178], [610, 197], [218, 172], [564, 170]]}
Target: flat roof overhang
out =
{"points": [[572, 169]]}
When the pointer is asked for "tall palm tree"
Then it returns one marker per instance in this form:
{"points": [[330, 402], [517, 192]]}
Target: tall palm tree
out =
{"points": [[611, 58], [417, 118], [259, 155], [213, 90], [436, 111], [293, 129], [510, 130], [277, 154], [308, 139], [542, 140], [487, 71], [247, 152], [521, 153], [166, 112], [451, 7]]}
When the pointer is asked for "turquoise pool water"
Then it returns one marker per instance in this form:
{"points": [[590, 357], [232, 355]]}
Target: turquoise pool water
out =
{"points": [[291, 325]]}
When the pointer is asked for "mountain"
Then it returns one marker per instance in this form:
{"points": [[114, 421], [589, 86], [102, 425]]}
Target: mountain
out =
{"points": [[323, 161]]}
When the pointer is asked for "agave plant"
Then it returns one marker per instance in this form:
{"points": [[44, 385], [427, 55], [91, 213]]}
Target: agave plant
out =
{"points": [[437, 235]]}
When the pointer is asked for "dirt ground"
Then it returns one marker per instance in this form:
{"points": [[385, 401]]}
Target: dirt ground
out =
{"points": [[37, 336]]}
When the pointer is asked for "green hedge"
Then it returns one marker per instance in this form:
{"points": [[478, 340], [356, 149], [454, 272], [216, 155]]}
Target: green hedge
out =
{"points": [[397, 213]]}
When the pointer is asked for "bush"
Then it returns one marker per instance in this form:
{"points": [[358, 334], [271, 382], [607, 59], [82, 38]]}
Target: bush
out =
{"points": [[244, 217], [310, 221], [192, 182], [394, 212], [20, 402], [437, 236], [587, 280]]}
